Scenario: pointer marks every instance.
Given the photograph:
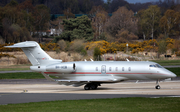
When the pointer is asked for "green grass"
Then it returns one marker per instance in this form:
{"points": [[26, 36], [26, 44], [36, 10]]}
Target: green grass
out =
{"points": [[13, 69], [27, 75], [167, 62], [99, 105], [175, 70]]}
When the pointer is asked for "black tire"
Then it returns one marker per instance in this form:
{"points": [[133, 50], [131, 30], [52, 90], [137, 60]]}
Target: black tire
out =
{"points": [[158, 87], [93, 86], [86, 87]]}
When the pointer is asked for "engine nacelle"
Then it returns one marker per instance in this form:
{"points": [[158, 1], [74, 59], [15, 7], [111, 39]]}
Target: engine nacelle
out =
{"points": [[61, 68]]}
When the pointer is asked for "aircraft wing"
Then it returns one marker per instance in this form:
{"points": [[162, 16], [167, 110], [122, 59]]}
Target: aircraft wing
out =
{"points": [[80, 82], [77, 83]]}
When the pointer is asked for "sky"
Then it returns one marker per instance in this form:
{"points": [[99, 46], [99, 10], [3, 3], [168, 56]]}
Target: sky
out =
{"points": [[141, 1]]}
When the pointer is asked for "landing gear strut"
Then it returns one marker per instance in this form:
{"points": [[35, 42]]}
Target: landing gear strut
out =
{"points": [[157, 85], [92, 86]]}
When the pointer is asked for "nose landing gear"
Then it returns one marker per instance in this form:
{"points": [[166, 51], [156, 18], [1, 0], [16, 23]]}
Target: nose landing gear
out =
{"points": [[157, 85]]}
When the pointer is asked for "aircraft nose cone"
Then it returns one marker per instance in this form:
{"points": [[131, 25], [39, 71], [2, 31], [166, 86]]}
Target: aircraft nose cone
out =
{"points": [[173, 75]]}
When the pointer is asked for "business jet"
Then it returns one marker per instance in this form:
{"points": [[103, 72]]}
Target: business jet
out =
{"points": [[91, 73]]}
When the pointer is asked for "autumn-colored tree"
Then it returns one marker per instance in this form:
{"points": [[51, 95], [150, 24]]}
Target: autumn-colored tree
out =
{"points": [[27, 9], [150, 19], [169, 21], [42, 17], [68, 13], [99, 18], [14, 25], [122, 18], [124, 36], [142, 26]]}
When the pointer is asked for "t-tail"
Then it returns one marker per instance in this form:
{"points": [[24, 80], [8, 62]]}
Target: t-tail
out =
{"points": [[35, 54]]}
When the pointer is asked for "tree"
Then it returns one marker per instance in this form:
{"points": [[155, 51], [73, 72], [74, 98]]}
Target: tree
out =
{"points": [[68, 13], [27, 9], [99, 18], [115, 4], [169, 21], [162, 47], [124, 36], [121, 19], [97, 54], [143, 28], [150, 18], [77, 28], [42, 17]]}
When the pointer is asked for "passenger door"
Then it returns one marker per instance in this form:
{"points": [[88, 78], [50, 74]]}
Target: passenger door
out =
{"points": [[103, 69]]}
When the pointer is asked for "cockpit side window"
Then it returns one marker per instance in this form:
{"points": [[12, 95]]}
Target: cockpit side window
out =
{"points": [[152, 66], [159, 66], [156, 65]]}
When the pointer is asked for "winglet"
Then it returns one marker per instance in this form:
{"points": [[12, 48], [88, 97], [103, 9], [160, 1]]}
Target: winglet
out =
{"points": [[127, 59], [91, 59]]}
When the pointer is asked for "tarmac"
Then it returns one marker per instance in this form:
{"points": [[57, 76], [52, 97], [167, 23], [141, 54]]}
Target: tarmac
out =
{"points": [[38, 90]]}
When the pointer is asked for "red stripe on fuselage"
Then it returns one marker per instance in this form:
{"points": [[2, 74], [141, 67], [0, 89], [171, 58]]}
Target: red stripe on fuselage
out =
{"points": [[101, 73]]}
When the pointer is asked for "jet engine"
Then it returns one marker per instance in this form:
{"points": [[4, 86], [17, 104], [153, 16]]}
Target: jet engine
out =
{"points": [[61, 68]]}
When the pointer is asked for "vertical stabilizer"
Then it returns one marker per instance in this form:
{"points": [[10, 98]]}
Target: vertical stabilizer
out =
{"points": [[34, 53]]}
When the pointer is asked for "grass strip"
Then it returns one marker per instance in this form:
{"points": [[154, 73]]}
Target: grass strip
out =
{"points": [[99, 105], [27, 75], [167, 62], [175, 70], [13, 69]]}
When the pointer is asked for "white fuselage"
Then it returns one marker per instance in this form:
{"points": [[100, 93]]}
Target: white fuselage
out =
{"points": [[106, 71]]}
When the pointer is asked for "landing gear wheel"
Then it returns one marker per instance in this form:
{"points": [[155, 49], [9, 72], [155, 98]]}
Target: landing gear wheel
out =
{"points": [[93, 86], [158, 87], [86, 87]]}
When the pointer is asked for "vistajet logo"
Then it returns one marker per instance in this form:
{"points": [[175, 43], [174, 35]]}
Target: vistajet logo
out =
{"points": [[42, 58]]}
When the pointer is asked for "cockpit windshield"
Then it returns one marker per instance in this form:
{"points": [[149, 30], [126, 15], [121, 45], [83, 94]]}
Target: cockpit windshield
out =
{"points": [[156, 65]]}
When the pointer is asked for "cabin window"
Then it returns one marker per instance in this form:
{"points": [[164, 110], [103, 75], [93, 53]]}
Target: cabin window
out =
{"points": [[57, 67], [129, 68], [96, 68], [122, 68], [116, 68], [109, 68]]}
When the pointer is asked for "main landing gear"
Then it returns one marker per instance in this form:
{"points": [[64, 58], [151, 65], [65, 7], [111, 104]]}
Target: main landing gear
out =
{"points": [[157, 85], [92, 86]]}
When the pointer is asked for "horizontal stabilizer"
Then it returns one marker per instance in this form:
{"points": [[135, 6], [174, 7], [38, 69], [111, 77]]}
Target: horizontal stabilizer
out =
{"points": [[23, 45]]}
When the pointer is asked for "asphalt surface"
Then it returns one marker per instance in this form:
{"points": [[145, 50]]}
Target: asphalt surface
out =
{"points": [[39, 90], [14, 98]]}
